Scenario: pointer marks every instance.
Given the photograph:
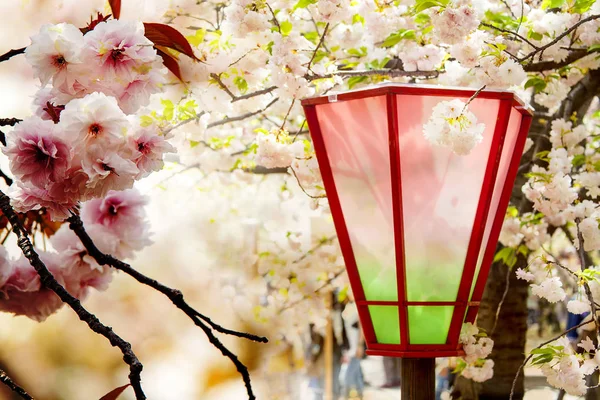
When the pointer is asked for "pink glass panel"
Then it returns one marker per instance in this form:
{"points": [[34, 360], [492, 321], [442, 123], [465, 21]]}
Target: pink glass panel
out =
{"points": [[357, 142], [514, 124], [440, 194]]}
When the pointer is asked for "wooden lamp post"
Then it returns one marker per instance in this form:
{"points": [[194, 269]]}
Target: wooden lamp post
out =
{"points": [[417, 224]]}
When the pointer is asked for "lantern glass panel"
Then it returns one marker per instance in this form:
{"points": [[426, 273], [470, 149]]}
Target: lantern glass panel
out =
{"points": [[510, 141], [386, 324], [429, 324], [440, 194], [356, 138]]}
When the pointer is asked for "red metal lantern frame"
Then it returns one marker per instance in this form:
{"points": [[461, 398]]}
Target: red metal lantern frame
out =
{"points": [[464, 310]]}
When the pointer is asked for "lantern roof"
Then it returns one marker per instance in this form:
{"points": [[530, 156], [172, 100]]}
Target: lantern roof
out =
{"points": [[408, 88], [417, 222]]}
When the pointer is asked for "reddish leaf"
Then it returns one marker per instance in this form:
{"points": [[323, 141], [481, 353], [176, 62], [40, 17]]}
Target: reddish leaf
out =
{"points": [[53, 111], [114, 393], [167, 36], [94, 22], [115, 6], [170, 62]]}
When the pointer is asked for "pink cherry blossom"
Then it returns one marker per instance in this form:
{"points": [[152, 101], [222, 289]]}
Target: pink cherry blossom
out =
{"points": [[22, 294], [54, 54], [5, 267], [36, 152], [26, 198], [82, 270], [94, 119], [122, 214], [107, 170], [137, 93], [148, 148], [119, 49]]}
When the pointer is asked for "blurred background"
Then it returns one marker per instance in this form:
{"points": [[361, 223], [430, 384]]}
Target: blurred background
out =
{"points": [[206, 244]]}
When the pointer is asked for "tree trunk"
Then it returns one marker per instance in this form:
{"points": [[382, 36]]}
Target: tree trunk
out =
{"points": [[510, 333]]}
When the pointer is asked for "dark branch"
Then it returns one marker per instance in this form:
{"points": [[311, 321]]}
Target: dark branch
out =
{"points": [[12, 53], [548, 65], [559, 37], [5, 379], [176, 297], [48, 281], [386, 72], [515, 34], [243, 116], [6, 178], [9, 121]]}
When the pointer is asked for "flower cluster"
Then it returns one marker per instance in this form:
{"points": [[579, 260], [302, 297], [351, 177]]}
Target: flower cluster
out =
{"points": [[82, 144], [477, 347], [452, 125], [566, 370], [117, 225]]}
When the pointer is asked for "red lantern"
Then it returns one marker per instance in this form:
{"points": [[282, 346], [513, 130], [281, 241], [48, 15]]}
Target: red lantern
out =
{"points": [[417, 224]]}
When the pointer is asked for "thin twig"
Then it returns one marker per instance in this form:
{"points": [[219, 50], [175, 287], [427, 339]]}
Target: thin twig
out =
{"points": [[304, 190], [243, 116], [586, 286], [12, 53], [559, 37], [317, 48], [473, 98], [274, 17], [48, 281], [5, 379], [176, 297], [386, 72], [254, 94], [287, 114], [506, 287], [510, 32]]}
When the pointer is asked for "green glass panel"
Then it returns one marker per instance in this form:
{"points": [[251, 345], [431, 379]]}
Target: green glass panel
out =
{"points": [[444, 275], [386, 324], [356, 137], [378, 280], [429, 324]]}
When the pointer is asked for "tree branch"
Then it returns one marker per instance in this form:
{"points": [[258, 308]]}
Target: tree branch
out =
{"points": [[515, 34], [176, 297], [388, 72], [12, 53], [5, 379], [243, 116], [548, 65], [9, 121], [48, 281], [559, 37]]}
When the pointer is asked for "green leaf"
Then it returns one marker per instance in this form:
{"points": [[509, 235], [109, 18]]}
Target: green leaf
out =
{"points": [[422, 5], [168, 110], [578, 160], [537, 83], [303, 4], [197, 38], [146, 120], [582, 6], [534, 35], [241, 84], [512, 211], [355, 80], [396, 37], [286, 27], [357, 18], [593, 48], [422, 18], [507, 255], [553, 4], [312, 36]]}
